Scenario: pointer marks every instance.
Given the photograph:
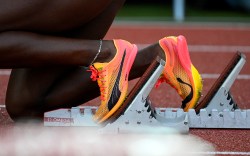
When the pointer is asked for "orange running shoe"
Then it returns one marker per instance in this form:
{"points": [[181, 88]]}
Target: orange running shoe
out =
{"points": [[179, 71], [112, 78]]}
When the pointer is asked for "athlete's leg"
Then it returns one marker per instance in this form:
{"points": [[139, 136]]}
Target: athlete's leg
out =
{"points": [[144, 58], [32, 91]]}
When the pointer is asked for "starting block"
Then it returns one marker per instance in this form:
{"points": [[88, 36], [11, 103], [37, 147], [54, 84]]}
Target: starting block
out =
{"points": [[137, 114]]}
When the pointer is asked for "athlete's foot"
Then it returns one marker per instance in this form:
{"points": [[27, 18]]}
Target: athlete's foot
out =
{"points": [[112, 78], [179, 71]]}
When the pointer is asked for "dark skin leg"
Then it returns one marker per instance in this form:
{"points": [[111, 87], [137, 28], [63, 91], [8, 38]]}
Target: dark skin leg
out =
{"points": [[47, 56]]}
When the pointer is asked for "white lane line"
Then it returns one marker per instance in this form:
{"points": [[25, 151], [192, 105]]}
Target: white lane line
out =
{"points": [[218, 48], [211, 48], [204, 76], [224, 153], [215, 76]]}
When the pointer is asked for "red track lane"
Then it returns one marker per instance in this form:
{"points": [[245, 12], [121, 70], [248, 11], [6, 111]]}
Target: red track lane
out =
{"points": [[209, 63], [196, 35]]}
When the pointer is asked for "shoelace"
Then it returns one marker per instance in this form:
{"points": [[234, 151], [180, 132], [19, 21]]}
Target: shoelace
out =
{"points": [[161, 80], [99, 77]]}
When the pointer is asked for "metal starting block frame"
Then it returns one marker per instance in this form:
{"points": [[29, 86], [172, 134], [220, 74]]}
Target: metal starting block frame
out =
{"points": [[217, 109]]}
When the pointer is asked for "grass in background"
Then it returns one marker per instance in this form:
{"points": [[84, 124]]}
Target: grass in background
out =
{"points": [[145, 10], [163, 12]]}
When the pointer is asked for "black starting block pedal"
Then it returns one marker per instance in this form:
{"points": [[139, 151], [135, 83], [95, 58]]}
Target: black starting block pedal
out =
{"points": [[219, 96], [218, 109]]}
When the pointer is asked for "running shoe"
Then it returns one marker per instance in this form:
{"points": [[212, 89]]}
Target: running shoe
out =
{"points": [[112, 78], [179, 71]]}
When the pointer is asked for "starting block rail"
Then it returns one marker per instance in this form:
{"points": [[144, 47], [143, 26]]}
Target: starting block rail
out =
{"points": [[137, 114], [82, 116]]}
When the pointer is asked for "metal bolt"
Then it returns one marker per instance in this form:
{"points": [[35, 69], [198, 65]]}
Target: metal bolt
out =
{"points": [[225, 92], [139, 112], [143, 99]]}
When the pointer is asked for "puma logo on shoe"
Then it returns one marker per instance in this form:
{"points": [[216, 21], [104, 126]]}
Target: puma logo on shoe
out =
{"points": [[116, 93], [190, 95]]}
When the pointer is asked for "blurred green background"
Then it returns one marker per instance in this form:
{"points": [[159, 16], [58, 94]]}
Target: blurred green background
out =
{"points": [[194, 10]]}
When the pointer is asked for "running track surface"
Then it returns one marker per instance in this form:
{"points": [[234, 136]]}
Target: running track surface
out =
{"points": [[211, 47]]}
